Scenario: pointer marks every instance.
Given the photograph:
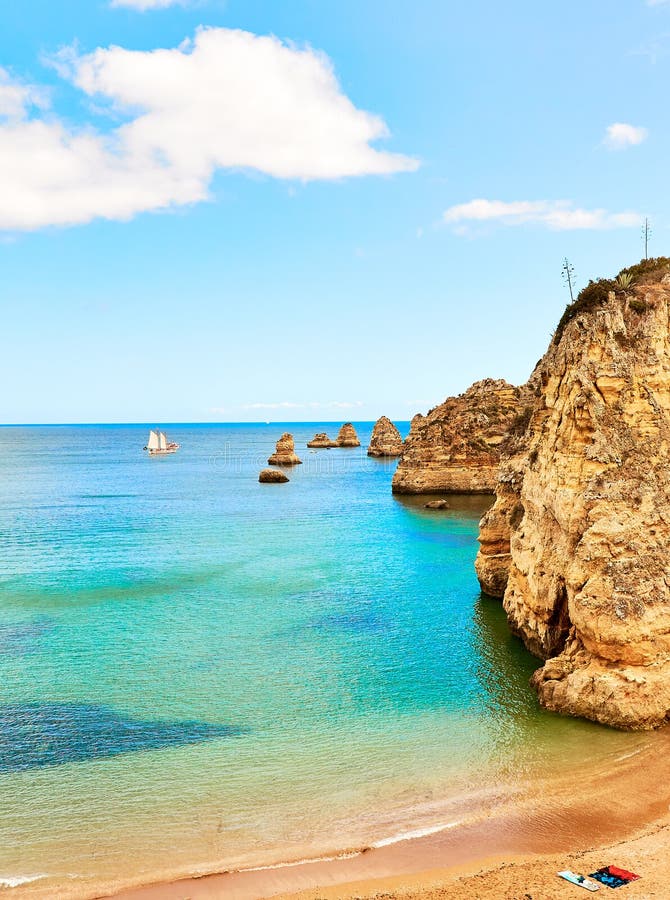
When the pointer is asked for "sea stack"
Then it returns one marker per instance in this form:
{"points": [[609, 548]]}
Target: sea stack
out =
{"points": [[272, 476], [321, 441], [385, 440], [578, 540], [455, 448], [285, 454], [347, 436]]}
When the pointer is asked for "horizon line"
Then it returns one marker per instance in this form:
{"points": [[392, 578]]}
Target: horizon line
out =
{"points": [[166, 423]]}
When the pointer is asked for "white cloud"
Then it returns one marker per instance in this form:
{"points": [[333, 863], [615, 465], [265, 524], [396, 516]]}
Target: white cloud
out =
{"points": [[621, 135], [289, 404], [226, 100], [144, 5], [657, 2], [17, 98], [560, 215]]}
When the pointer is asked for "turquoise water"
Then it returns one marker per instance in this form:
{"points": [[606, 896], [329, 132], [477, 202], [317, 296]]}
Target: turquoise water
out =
{"points": [[200, 672]]}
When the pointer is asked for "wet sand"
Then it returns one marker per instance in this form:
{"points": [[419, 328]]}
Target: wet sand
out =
{"points": [[615, 814]]}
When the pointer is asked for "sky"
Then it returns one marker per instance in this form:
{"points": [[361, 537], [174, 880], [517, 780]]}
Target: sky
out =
{"points": [[251, 210]]}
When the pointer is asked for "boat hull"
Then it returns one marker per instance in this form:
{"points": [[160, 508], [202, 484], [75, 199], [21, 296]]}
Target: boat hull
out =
{"points": [[165, 452]]}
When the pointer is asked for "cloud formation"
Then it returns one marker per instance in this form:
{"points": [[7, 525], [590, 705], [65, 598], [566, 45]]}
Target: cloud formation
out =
{"points": [[559, 215], [289, 404], [621, 135], [144, 5], [16, 97], [225, 100]]}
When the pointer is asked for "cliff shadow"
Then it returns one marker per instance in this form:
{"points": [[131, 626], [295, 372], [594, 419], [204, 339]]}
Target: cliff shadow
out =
{"points": [[504, 665], [461, 506]]}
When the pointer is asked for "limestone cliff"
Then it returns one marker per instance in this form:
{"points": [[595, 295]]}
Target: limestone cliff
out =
{"points": [[386, 440], [347, 436], [455, 448], [285, 454], [578, 540]]}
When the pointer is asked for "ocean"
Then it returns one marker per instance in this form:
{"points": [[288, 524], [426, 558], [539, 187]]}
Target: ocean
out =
{"points": [[202, 673]]}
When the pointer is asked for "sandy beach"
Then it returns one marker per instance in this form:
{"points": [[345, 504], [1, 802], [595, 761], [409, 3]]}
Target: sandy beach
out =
{"points": [[615, 815]]}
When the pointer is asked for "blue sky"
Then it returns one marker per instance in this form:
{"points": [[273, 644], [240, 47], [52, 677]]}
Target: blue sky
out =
{"points": [[246, 211]]}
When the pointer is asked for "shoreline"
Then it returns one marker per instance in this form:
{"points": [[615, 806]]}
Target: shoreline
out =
{"points": [[564, 822]]}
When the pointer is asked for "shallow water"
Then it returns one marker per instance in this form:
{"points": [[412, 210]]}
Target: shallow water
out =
{"points": [[200, 672]]}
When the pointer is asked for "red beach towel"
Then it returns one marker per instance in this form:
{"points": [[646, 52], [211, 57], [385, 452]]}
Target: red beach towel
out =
{"points": [[622, 873]]}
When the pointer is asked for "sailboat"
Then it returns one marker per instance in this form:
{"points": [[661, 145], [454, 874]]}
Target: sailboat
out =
{"points": [[158, 444]]}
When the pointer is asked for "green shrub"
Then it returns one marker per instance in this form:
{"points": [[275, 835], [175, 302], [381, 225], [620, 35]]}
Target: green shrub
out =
{"points": [[647, 268], [625, 280], [595, 294], [639, 306]]}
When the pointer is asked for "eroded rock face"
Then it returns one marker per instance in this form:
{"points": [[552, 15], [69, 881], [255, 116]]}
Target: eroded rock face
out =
{"points": [[347, 436], [578, 540], [272, 476], [321, 441], [455, 448], [285, 454], [385, 440]]}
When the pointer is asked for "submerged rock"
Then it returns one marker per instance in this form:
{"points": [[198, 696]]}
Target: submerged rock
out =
{"points": [[578, 540], [455, 448], [285, 454], [36, 735], [321, 441], [437, 504], [347, 436], [272, 476], [386, 439]]}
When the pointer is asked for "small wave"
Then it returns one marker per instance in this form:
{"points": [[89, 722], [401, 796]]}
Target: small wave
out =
{"points": [[351, 854], [417, 833], [628, 755], [12, 881], [347, 854]]}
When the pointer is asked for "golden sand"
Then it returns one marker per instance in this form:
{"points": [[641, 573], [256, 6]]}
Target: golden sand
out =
{"points": [[613, 815]]}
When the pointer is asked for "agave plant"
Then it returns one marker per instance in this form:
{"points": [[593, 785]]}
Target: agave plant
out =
{"points": [[625, 280]]}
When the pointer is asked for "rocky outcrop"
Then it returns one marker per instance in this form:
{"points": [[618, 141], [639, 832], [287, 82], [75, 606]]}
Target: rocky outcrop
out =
{"points": [[578, 541], [347, 436], [437, 504], [272, 476], [455, 448], [321, 441], [386, 439], [285, 454]]}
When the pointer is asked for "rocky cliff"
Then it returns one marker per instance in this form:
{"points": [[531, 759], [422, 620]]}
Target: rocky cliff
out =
{"points": [[347, 436], [578, 541], [455, 448], [386, 440], [285, 454]]}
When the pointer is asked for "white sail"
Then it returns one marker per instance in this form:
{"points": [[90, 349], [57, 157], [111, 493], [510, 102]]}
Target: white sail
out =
{"points": [[163, 440], [154, 441]]}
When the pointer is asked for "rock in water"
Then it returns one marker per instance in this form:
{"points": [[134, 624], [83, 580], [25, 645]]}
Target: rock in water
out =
{"points": [[284, 454], [578, 540], [347, 436], [321, 441], [272, 476], [385, 440], [437, 504], [455, 448]]}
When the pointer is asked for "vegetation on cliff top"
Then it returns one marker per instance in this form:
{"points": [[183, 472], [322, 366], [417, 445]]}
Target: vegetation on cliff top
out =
{"points": [[595, 293]]}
